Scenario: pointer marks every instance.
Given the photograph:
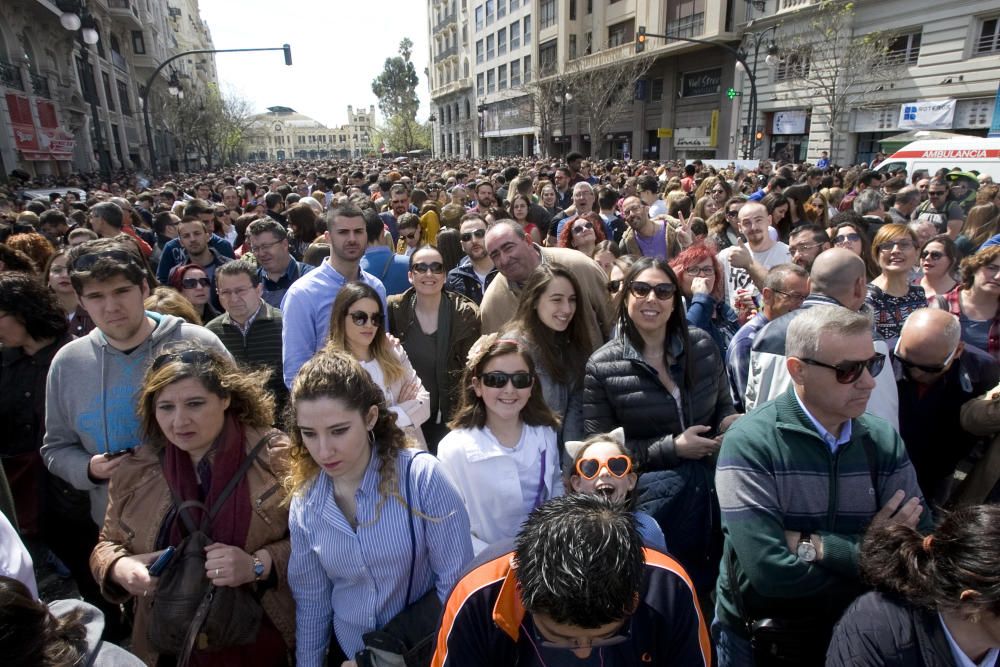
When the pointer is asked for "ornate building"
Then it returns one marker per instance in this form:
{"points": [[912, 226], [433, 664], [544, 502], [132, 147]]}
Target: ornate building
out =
{"points": [[284, 134]]}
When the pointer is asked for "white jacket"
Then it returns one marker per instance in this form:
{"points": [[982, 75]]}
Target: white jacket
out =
{"points": [[485, 474]]}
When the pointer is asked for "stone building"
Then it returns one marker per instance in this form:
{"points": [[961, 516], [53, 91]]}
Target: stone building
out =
{"points": [[284, 134]]}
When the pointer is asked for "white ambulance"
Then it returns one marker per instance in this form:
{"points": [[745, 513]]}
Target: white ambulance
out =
{"points": [[966, 153]]}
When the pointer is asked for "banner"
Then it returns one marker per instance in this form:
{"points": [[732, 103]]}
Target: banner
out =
{"points": [[789, 122], [927, 115], [19, 110]]}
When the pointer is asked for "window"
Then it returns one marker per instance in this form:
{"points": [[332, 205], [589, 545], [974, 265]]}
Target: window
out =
{"points": [[621, 33], [501, 41], [515, 35], [138, 43], [791, 66], [480, 86], [490, 51], [588, 43], [547, 58], [107, 91], [501, 9], [527, 30], [527, 69], [491, 80], [656, 91], [123, 99], [547, 12], [904, 50], [502, 77], [479, 18], [685, 18], [572, 47], [490, 12], [479, 51], [515, 73], [514, 4], [989, 37], [572, 10], [590, 6]]}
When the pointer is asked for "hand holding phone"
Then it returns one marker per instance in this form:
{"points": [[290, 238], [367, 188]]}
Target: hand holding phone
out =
{"points": [[160, 564]]}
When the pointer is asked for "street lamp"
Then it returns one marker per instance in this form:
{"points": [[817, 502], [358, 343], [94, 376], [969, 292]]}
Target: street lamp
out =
{"points": [[432, 119], [482, 110], [756, 39], [562, 99]]}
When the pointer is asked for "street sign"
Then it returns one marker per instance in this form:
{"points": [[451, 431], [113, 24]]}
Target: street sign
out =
{"points": [[664, 132]]}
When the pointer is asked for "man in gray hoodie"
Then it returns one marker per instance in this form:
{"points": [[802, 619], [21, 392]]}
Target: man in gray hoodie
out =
{"points": [[91, 417]]}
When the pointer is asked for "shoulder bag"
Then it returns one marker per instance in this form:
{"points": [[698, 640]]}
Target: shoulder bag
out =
{"points": [[408, 639]]}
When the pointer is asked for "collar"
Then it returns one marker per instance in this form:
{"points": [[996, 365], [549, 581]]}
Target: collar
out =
{"points": [[369, 483], [961, 659], [508, 611], [261, 312], [833, 442]]}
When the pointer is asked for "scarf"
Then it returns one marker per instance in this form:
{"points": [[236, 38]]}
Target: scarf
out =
{"points": [[233, 520]]}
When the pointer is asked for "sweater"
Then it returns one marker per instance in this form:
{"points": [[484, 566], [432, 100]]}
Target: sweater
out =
{"points": [[259, 348], [776, 473]]}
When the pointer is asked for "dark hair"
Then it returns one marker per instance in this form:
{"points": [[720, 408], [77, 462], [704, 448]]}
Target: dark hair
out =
{"points": [[196, 207], [579, 559], [818, 232], [408, 220], [449, 244], [934, 572], [110, 213], [272, 200], [344, 210], [16, 260], [302, 222], [108, 267], [976, 261], [31, 636], [265, 225], [32, 304], [237, 268]]}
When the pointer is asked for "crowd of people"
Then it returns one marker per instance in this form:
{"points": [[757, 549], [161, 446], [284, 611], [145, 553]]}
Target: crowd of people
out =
{"points": [[539, 412]]}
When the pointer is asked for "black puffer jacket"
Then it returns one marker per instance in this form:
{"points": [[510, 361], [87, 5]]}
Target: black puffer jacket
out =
{"points": [[885, 631]]}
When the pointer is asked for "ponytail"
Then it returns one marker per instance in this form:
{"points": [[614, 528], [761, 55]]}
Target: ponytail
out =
{"points": [[894, 560]]}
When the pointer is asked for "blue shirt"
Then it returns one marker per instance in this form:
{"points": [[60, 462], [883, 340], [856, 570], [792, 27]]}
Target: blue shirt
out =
{"points": [[738, 358], [274, 290], [832, 441], [387, 266], [356, 579], [306, 314]]}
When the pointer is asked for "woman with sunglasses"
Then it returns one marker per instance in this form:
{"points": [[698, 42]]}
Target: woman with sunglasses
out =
{"points": [[723, 227], [703, 289], [665, 384], [357, 326], [195, 286], [582, 233], [202, 417], [939, 265], [603, 466], [436, 329], [501, 453], [891, 295], [847, 232]]}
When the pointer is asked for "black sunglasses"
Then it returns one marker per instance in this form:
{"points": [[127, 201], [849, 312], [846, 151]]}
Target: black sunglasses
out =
{"points": [[663, 291], [191, 283], [931, 370], [360, 318], [478, 233], [499, 380], [614, 286], [844, 238], [85, 262], [848, 372], [183, 356], [436, 268], [581, 228], [933, 254]]}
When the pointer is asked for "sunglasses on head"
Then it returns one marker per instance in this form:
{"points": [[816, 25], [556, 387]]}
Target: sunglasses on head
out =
{"points": [[477, 233], [935, 255], [663, 291], [182, 356], [191, 283], [499, 380], [590, 467], [848, 372], [436, 268], [582, 228], [360, 318]]}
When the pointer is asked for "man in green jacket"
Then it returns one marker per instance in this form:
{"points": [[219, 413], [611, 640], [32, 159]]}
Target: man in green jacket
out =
{"points": [[799, 481]]}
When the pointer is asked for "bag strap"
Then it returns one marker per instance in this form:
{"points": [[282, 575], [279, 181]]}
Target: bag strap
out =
{"points": [[734, 590], [244, 467], [191, 637], [413, 530]]}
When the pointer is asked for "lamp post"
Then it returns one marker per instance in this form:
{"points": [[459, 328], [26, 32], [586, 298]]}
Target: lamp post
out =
{"points": [[756, 39], [562, 100], [432, 119], [482, 122], [149, 83]]}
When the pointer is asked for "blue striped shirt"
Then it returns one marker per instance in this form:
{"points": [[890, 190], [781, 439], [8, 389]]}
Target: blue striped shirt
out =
{"points": [[355, 580]]}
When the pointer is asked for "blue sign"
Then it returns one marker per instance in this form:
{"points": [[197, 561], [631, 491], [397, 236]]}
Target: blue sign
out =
{"points": [[995, 125]]}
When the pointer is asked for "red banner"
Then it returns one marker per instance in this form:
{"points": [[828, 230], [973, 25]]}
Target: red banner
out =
{"points": [[46, 114], [25, 136]]}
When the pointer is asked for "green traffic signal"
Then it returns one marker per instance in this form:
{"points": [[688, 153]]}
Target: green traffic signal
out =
{"points": [[731, 93]]}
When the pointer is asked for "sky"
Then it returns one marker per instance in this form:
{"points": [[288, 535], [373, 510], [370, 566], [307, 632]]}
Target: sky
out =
{"points": [[338, 47]]}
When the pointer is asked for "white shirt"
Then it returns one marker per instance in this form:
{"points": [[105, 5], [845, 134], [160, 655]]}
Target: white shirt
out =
{"points": [[15, 562], [738, 279], [962, 660]]}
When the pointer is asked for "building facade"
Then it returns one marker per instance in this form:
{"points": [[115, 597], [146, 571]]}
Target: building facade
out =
{"points": [[70, 107], [453, 104], [284, 134]]}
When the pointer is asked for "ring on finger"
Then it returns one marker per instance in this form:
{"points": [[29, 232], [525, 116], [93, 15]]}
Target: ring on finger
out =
{"points": [[216, 572]]}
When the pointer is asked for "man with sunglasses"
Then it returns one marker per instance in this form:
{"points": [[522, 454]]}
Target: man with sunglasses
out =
{"points": [[800, 479], [577, 587], [475, 271], [90, 416], [937, 374], [945, 214]]}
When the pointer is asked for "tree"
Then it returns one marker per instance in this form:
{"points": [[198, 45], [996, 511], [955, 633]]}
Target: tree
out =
{"points": [[542, 99], [839, 70], [400, 137], [210, 123], [396, 90]]}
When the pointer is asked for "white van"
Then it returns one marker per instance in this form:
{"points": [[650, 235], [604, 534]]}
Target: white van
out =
{"points": [[966, 153]]}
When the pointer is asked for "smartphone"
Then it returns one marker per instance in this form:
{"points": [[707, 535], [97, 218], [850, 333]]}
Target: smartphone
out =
{"points": [[114, 455], [160, 564]]}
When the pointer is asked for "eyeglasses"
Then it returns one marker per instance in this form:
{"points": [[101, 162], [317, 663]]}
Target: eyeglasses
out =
{"points": [[614, 286], [188, 356], [932, 370], [412, 236], [590, 467], [937, 193], [842, 239], [264, 247], [663, 291], [903, 244], [698, 271], [934, 255], [360, 318], [792, 296], [436, 268], [848, 372], [732, 214], [85, 262], [477, 233], [499, 380], [577, 644], [191, 283], [802, 247], [582, 228], [239, 291]]}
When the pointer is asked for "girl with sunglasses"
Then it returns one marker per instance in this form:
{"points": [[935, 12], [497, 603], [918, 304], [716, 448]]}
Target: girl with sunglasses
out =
{"points": [[501, 453], [602, 465], [436, 329], [939, 265], [357, 326], [665, 384], [195, 286]]}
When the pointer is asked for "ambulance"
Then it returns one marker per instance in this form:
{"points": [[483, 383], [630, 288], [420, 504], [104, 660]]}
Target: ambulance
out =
{"points": [[964, 153]]}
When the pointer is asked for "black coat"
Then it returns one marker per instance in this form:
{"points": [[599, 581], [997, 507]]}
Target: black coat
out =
{"points": [[879, 630]]}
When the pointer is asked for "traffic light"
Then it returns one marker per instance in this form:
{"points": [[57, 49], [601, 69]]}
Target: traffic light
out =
{"points": [[732, 93], [288, 54], [640, 39]]}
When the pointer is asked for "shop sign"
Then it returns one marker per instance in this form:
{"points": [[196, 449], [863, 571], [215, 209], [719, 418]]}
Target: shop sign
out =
{"points": [[705, 82], [664, 132], [927, 115], [790, 122]]}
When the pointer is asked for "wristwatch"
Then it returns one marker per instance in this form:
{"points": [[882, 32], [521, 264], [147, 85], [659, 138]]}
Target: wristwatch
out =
{"points": [[258, 567], [806, 550]]}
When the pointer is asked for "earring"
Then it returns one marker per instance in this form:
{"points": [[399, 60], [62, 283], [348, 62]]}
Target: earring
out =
{"points": [[371, 436]]}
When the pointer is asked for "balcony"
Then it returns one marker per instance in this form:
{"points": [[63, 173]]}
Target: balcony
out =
{"points": [[447, 53], [445, 21], [40, 85], [452, 87], [10, 75], [125, 12]]}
